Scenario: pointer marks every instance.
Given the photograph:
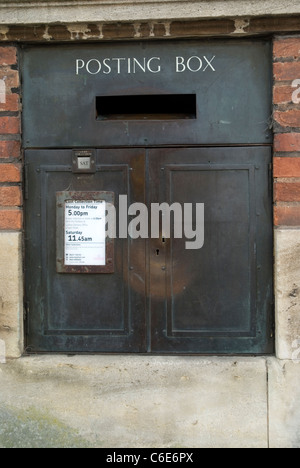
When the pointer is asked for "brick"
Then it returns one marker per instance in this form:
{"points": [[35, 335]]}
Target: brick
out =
{"points": [[287, 191], [290, 118], [286, 167], [10, 196], [11, 219], [288, 71], [12, 103], [8, 56], [9, 125], [287, 142], [287, 215], [10, 149], [10, 173], [287, 48], [283, 94], [11, 78]]}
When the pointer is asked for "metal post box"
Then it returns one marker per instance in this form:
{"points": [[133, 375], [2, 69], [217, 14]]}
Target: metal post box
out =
{"points": [[110, 127]]}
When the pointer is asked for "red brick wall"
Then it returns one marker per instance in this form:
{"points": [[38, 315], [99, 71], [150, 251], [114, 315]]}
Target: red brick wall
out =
{"points": [[10, 148], [287, 131]]}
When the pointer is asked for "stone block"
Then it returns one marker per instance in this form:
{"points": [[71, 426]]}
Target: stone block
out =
{"points": [[287, 291], [45, 12], [11, 295], [284, 408], [143, 401]]}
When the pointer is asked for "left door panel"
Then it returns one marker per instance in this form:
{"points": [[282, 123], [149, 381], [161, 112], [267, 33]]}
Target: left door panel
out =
{"points": [[82, 312]]}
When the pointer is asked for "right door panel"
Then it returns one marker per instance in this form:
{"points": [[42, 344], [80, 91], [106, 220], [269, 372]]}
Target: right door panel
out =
{"points": [[217, 299]]}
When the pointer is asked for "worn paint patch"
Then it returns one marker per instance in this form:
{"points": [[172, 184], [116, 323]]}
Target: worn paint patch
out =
{"points": [[2, 352], [296, 94], [241, 25], [79, 31], [46, 34], [3, 31], [2, 92]]}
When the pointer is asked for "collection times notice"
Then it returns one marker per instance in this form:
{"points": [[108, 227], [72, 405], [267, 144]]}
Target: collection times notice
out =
{"points": [[85, 233]]}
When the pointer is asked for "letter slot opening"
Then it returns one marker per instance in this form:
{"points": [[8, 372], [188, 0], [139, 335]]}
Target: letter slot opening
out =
{"points": [[147, 107]]}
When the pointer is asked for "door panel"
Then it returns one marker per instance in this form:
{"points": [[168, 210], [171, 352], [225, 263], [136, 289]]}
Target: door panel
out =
{"points": [[161, 297], [71, 105], [217, 299], [81, 312]]}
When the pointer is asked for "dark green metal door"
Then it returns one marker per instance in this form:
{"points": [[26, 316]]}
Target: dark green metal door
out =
{"points": [[157, 296], [81, 311], [217, 299]]}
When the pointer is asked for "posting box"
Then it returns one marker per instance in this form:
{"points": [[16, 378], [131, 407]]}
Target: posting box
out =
{"points": [[174, 122]]}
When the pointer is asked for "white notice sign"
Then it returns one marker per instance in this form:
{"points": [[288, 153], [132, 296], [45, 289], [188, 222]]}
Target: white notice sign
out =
{"points": [[85, 233]]}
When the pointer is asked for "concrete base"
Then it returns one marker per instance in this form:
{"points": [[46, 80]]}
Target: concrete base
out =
{"points": [[142, 401], [134, 401]]}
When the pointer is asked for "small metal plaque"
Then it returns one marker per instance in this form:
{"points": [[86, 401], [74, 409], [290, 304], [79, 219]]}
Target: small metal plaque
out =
{"points": [[83, 245], [84, 161]]}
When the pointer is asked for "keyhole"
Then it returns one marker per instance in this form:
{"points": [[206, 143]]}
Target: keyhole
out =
{"points": [[157, 252]]}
